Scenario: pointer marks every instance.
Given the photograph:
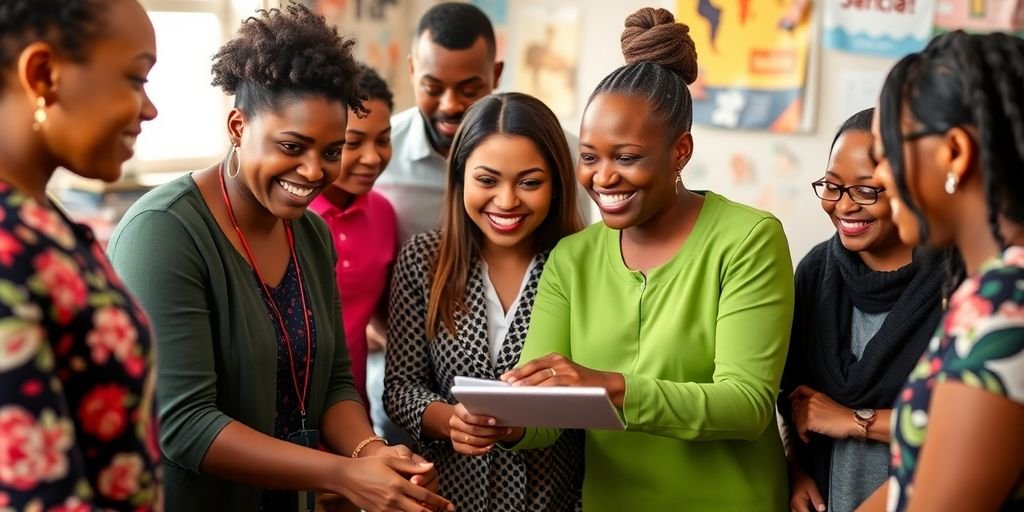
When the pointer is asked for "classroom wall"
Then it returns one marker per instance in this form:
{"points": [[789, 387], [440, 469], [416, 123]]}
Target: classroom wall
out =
{"points": [[763, 169], [840, 84]]}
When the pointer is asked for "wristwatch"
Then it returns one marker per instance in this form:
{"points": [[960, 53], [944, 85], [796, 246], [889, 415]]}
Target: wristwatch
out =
{"points": [[864, 419]]}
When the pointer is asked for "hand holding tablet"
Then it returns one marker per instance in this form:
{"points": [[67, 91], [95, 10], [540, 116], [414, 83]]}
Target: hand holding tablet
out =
{"points": [[533, 406]]}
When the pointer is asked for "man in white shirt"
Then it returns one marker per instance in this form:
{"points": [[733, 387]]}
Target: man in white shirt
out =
{"points": [[452, 64]]}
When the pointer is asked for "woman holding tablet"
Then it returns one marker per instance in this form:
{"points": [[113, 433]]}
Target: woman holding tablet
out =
{"points": [[461, 301]]}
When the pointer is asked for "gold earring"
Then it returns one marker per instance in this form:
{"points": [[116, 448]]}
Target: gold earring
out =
{"points": [[39, 116], [952, 180], [679, 180], [238, 162]]}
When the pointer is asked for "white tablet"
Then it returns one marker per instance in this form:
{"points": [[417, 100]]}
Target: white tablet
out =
{"points": [[532, 406]]}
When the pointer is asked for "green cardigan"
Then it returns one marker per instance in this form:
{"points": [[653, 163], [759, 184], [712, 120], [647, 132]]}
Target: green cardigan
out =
{"points": [[216, 345], [701, 342]]}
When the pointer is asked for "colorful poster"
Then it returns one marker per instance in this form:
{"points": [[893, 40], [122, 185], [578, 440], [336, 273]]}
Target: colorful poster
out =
{"points": [[882, 28], [979, 15], [752, 56], [545, 57]]}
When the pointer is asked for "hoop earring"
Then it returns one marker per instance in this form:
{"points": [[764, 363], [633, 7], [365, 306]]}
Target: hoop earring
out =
{"points": [[39, 116], [952, 180], [238, 162]]}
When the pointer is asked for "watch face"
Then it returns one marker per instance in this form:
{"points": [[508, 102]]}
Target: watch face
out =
{"points": [[865, 414]]}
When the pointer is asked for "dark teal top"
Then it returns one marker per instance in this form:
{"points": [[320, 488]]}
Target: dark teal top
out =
{"points": [[216, 343]]}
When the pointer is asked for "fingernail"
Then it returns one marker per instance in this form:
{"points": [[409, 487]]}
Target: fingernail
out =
{"points": [[510, 380], [491, 421], [425, 464], [821, 508]]}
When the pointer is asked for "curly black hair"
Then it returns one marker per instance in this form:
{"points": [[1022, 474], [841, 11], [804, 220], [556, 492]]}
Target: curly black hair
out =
{"points": [[281, 54], [373, 87], [68, 25]]}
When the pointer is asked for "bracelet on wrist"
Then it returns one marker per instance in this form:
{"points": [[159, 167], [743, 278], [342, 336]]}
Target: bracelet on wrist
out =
{"points": [[362, 444]]}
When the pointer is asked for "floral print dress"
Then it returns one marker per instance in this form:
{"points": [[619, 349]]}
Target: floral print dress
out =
{"points": [[980, 343], [77, 422]]}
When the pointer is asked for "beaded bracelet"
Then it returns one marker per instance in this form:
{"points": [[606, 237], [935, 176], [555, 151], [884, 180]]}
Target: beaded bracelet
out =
{"points": [[362, 444]]}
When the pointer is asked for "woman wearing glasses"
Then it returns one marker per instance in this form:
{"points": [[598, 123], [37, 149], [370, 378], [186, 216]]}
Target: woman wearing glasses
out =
{"points": [[866, 305]]}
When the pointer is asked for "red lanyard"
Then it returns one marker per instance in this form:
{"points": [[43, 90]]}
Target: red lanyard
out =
{"points": [[273, 303]]}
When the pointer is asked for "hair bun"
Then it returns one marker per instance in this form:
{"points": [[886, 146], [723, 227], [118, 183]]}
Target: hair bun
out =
{"points": [[652, 35]]}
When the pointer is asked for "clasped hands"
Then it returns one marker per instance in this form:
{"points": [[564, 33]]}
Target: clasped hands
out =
{"points": [[379, 490], [427, 479]]}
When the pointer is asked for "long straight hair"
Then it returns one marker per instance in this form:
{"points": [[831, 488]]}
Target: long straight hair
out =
{"points": [[461, 239]]}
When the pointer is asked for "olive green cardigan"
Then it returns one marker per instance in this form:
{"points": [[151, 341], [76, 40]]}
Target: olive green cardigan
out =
{"points": [[216, 345]]}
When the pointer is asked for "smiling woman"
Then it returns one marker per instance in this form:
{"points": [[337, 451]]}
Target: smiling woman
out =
{"points": [[238, 276], [77, 429], [866, 306], [462, 301], [678, 304]]}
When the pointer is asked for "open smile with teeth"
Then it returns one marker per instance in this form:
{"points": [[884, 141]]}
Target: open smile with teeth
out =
{"points": [[614, 199], [505, 221], [854, 225], [295, 190], [128, 140]]}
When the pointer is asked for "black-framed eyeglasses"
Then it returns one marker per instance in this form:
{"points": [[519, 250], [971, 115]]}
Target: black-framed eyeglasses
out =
{"points": [[861, 194]]}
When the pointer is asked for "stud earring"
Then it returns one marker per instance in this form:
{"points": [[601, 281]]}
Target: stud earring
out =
{"points": [[238, 162], [952, 180], [39, 116]]}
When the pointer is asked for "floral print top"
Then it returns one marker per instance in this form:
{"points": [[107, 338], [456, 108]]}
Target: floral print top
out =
{"points": [[77, 422], [980, 343]]}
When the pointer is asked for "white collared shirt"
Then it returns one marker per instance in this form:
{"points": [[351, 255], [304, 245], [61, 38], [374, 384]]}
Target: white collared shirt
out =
{"points": [[498, 320], [414, 180]]}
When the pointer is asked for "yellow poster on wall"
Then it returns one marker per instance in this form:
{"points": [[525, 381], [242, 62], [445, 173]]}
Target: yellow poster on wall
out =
{"points": [[752, 56]]}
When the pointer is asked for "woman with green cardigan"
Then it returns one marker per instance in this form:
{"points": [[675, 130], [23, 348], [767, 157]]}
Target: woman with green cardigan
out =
{"points": [[679, 304], [239, 280]]}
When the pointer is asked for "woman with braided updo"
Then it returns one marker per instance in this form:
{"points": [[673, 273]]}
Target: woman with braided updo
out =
{"points": [[949, 142], [239, 279], [679, 304]]}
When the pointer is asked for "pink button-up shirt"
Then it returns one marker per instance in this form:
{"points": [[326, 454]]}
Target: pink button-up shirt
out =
{"points": [[366, 237]]}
